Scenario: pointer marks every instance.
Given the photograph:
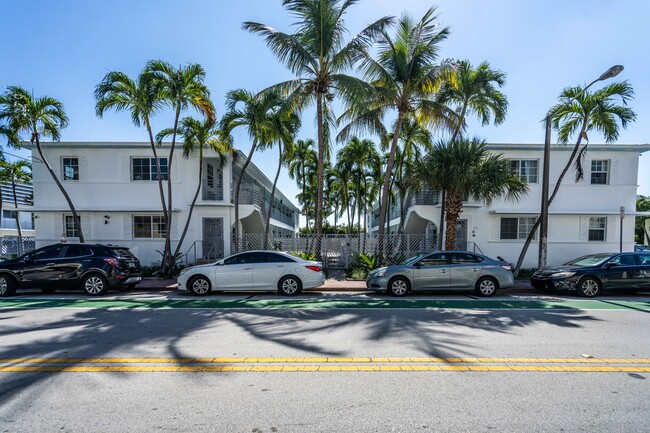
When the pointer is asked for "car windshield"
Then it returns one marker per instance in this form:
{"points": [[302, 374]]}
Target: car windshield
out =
{"points": [[412, 260], [591, 260]]}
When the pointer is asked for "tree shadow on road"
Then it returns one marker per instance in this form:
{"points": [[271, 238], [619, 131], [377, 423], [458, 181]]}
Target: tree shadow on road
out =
{"points": [[189, 333]]}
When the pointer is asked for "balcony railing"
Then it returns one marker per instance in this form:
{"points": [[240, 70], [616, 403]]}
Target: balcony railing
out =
{"points": [[211, 191]]}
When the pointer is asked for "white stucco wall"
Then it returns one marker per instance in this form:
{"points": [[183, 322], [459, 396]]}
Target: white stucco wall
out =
{"points": [[105, 189], [570, 210]]}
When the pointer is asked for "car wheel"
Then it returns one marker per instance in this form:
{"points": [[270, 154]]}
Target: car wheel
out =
{"points": [[7, 286], [95, 285], [48, 290], [289, 286], [589, 287], [486, 286], [399, 286], [199, 286]]}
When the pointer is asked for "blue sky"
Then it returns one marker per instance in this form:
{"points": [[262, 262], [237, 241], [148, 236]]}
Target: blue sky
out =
{"points": [[64, 48]]}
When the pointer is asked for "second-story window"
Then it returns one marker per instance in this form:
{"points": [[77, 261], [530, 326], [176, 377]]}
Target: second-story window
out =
{"points": [[70, 168], [599, 172], [145, 169], [527, 169]]}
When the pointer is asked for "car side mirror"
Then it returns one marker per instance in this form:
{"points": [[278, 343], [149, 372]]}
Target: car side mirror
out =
{"points": [[219, 263], [610, 265], [418, 264]]}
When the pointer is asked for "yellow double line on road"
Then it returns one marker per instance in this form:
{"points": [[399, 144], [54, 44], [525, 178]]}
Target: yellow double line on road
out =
{"points": [[324, 364]]}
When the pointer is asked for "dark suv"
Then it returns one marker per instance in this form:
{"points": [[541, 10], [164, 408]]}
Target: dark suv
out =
{"points": [[93, 268]]}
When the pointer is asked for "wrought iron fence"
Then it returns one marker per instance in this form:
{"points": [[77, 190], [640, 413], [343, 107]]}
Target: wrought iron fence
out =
{"points": [[10, 247]]}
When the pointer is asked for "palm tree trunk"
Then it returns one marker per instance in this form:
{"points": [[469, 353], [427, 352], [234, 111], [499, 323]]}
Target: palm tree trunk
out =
{"points": [[155, 156], [454, 207], [168, 260], [275, 182], [239, 179], [389, 169], [321, 169], [189, 215], [75, 217], [568, 165], [441, 228], [20, 233]]}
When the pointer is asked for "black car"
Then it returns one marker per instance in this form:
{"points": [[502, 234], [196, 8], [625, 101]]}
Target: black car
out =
{"points": [[591, 275], [93, 268]]}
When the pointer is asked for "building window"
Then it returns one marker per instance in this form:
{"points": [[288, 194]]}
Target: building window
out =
{"points": [[70, 168], [145, 169], [600, 172], [70, 227], [9, 214], [597, 229], [149, 226], [517, 228], [527, 169]]}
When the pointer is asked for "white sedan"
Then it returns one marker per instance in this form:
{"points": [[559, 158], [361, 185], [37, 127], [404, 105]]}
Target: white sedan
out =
{"points": [[253, 270]]}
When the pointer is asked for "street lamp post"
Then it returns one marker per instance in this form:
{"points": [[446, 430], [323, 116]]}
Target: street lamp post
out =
{"points": [[543, 215]]}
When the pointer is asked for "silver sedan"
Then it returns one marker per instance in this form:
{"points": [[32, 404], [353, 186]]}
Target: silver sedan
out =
{"points": [[443, 270], [253, 270]]}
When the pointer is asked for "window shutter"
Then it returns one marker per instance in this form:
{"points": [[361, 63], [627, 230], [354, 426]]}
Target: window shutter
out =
{"points": [[612, 228], [584, 229], [613, 172], [59, 226], [126, 168], [85, 225], [496, 228], [83, 168], [173, 230], [128, 226]]}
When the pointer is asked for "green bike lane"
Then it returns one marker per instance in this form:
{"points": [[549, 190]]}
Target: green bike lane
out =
{"points": [[329, 303]]}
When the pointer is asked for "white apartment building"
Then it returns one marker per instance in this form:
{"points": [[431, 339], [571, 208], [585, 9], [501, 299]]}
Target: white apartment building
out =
{"points": [[584, 218], [114, 189]]}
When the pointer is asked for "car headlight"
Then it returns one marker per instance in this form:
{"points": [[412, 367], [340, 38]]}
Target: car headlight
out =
{"points": [[563, 275], [381, 272], [183, 271]]}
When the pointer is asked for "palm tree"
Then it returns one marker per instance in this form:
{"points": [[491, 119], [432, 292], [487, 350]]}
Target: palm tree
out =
{"points": [[466, 168], [406, 77], [255, 112], [141, 99], [318, 56], [285, 125], [298, 160], [415, 138], [582, 111], [202, 136], [356, 157], [15, 173], [45, 116], [475, 92], [179, 88]]}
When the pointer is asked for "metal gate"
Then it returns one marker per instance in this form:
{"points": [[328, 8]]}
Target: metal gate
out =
{"points": [[212, 238]]}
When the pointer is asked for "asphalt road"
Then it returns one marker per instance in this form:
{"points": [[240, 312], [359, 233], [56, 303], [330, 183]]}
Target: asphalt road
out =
{"points": [[554, 365]]}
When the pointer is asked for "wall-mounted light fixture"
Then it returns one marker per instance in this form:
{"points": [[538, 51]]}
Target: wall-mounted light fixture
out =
{"points": [[106, 218]]}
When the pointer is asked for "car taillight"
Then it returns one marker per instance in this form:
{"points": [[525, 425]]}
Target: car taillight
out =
{"points": [[507, 267], [112, 262], [314, 268]]}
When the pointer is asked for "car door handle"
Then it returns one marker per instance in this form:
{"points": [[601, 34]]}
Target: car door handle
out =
{"points": [[279, 266], [475, 269], [246, 269], [50, 264], [444, 271]]}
